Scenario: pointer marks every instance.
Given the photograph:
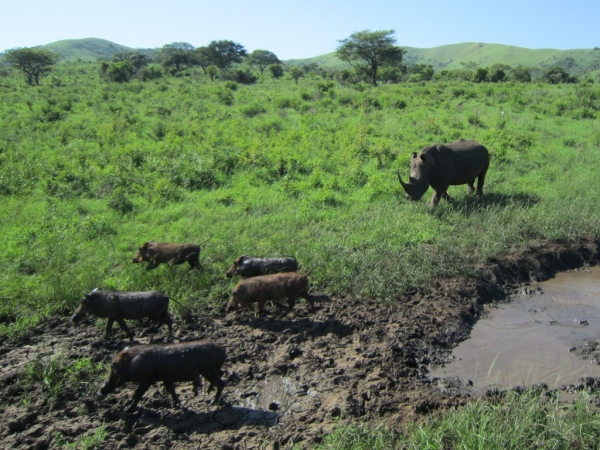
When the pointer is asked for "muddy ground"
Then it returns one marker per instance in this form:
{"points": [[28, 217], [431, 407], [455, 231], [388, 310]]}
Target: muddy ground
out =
{"points": [[289, 378]]}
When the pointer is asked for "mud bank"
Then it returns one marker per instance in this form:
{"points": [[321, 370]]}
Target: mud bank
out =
{"points": [[289, 378]]}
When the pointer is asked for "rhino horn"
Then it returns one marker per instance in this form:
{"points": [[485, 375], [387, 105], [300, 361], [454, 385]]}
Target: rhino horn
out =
{"points": [[404, 185]]}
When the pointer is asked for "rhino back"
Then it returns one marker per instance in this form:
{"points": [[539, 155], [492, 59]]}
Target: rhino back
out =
{"points": [[462, 161]]}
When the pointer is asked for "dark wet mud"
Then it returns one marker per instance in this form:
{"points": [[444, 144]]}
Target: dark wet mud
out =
{"points": [[290, 379]]}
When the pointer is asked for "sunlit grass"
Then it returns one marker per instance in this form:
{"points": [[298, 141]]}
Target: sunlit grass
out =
{"points": [[532, 419], [306, 170]]}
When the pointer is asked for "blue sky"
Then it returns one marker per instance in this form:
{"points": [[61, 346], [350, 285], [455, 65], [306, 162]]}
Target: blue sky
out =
{"points": [[301, 29]]}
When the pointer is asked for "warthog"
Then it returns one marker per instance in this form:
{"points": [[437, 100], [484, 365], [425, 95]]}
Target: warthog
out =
{"points": [[117, 306], [249, 267], [261, 289], [159, 252], [444, 165], [169, 363]]}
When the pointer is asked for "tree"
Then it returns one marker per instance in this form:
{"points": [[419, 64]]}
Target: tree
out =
{"points": [[120, 71], [212, 72], [370, 51], [225, 53], [276, 70], [497, 75], [177, 56], [556, 75], [480, 74], [521, 74], [390, 75], [296, 72], [262, 59], [34, 62], [420, 72], [202, 58], [137, 59]]}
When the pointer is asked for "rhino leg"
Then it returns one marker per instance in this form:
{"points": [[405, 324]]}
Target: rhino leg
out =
{"points": [[440, 193], [480, 181], [471, 187]]}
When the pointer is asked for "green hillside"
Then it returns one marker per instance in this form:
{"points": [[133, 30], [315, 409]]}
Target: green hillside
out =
{"points": [[89, 49], [578, 62]]}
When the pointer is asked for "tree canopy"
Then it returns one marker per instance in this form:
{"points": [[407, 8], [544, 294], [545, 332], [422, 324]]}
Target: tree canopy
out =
{"points": [[262, 59], [177, 56], [34, 62], [225, 53], [368, 51]]}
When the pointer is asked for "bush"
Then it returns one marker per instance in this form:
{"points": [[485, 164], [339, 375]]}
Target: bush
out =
{"points": [[239, 76], [151, 72]]}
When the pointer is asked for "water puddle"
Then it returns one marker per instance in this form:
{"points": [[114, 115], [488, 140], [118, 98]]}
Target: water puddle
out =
{"points": [[549, 333]]}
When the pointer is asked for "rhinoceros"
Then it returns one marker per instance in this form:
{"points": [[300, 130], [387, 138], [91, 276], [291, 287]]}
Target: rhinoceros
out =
{"points": [[444, 165]]}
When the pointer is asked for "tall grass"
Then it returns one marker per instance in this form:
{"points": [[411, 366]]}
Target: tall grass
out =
{"points": [[515, 421], [90, 170]]}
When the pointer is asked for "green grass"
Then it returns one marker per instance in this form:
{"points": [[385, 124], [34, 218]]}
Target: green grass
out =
{"points": [[54, 373], [90, 170], [515, 421], [89, 441]]}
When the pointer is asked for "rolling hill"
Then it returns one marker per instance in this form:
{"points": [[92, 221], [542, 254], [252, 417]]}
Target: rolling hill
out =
{"points": [[89, 49], [578, 62]]}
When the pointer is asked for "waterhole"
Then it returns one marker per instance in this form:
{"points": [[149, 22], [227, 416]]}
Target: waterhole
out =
{"points": [[548, 333]]}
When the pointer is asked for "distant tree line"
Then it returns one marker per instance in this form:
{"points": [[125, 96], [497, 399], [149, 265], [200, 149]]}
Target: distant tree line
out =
{"points": [[372, 55]]}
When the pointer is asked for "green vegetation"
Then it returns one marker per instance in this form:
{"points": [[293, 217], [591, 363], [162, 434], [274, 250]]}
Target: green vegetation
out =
{"points": [[33, 62], [369, 51], [578, 62], [53, 373], [514, 421], [91, 169], [583, 62], [88, 441]]}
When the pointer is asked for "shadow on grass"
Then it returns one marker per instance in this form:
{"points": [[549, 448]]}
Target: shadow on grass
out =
{"points": [[472, 204]]}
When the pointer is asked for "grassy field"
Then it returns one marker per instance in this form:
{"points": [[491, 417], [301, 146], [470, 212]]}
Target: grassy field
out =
{"points": [[90, 170]]}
